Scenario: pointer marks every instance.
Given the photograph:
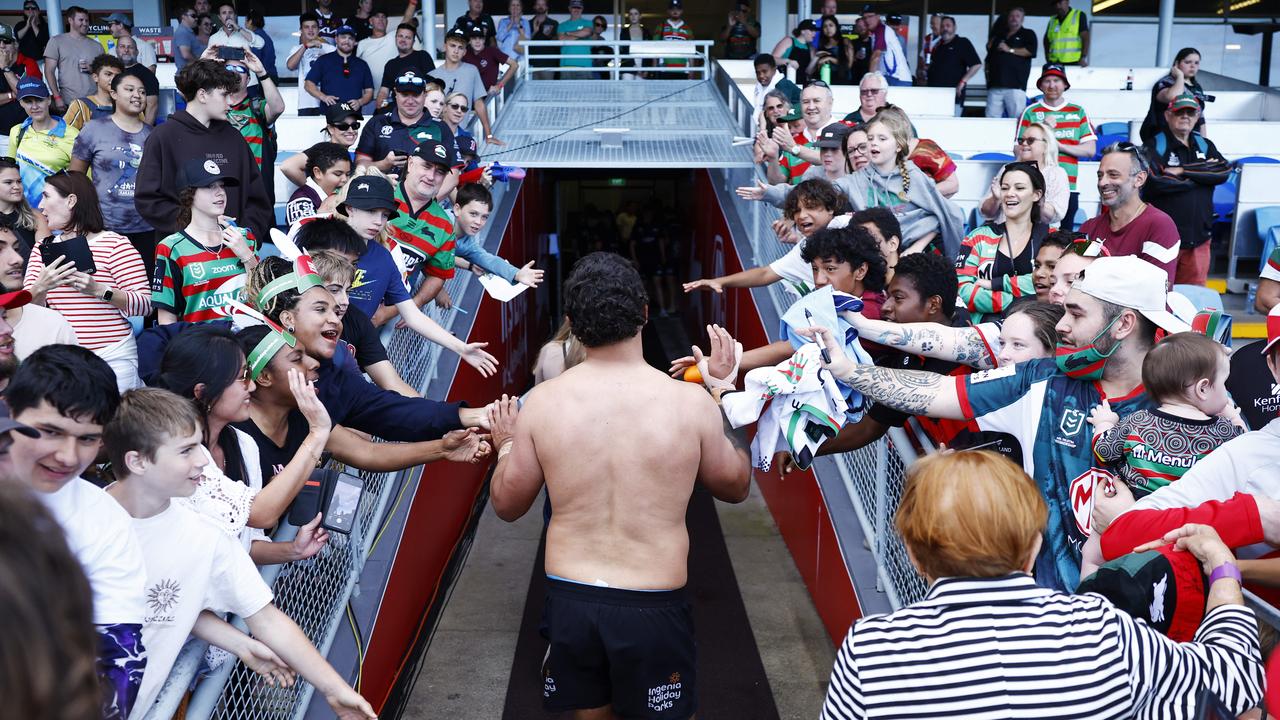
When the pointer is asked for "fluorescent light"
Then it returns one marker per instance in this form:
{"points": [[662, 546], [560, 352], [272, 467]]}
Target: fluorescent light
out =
{"points": [[1100, 6], [1237, 6], [1233, 46]]}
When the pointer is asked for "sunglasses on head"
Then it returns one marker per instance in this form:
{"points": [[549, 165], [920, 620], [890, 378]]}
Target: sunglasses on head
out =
{"points": [[816, 83], [1134, 150], [354, 125]]}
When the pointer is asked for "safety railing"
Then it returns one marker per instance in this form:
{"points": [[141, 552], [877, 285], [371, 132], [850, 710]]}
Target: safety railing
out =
{"points": [[315, 592], [615, 59]]}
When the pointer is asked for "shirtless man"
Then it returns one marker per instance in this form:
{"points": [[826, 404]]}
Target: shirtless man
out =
{"points": [[619, 445]]}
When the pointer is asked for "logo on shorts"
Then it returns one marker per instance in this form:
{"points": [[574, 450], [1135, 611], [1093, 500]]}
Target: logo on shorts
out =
{"points": [[664, 697]]}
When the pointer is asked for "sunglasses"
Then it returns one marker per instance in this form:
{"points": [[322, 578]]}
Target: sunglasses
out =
{"points": [[347, 126], [1128, 147], [456, 106], [245, 378], [869, 93], [238, 69], [816, 83], [1028, 141]]}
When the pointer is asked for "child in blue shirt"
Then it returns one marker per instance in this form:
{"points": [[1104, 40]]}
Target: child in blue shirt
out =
{"points": [[473, 206]]}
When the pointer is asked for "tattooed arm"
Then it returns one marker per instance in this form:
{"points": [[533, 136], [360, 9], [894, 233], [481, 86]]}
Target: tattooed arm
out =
{"points": [[916, 392], [962, 345]]}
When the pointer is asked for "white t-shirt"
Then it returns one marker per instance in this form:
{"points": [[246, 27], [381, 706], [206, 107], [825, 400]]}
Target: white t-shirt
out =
{"points": [[237, 39], [376, 52], [191, 565], [100, 535], [225, 502], [305, 99], [797, 273], [40, 326]]}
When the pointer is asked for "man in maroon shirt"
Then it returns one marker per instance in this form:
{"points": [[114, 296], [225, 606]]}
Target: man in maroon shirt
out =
{"points": [[487, 58], [1127, 225]]}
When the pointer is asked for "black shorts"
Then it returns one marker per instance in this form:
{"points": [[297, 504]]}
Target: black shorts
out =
{"points": [[630, 649]]}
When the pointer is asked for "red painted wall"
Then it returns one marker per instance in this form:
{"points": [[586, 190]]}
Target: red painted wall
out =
{"points": [[442, 505], [796, 501]]}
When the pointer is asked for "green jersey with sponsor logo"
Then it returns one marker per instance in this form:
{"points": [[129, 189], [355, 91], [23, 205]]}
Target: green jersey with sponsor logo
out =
{"points": [[193, 281]]}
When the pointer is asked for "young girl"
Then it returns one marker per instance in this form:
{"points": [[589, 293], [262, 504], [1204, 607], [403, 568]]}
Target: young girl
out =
{"points": [[1186, 374], [15, 212], [997, 261], [890, 181], [328, 168], [201, 267]]}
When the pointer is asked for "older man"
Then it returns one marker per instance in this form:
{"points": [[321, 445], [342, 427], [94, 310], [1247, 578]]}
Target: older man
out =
{"points": [[873, 94], [127, 51], [1071, 127], [1185, 168], [121, 28], [815, 108], [1009, 53], [390, 137], [1127, 225]]}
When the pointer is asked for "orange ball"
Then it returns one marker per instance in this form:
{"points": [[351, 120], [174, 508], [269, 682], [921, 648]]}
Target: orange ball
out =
{"points": [[691, 374]]}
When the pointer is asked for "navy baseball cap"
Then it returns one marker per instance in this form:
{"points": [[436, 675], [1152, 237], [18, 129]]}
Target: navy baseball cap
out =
{"points": [[433, 151], [833, 136], [467, 145], [456, 34], [32, 88], [338, 112], [197, 173], [410, 82], [344, 30], [370, 192]]}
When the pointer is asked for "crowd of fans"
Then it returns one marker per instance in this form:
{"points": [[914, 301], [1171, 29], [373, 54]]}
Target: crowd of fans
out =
{"points": [[175, 366]]}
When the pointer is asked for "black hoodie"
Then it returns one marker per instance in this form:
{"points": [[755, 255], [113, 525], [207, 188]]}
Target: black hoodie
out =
{"points": [[182, 138]]}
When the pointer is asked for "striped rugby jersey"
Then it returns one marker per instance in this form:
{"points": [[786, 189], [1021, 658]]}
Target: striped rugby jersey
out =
{"points": [[243, 116], [1002, 648], [674, 32], [426, 237], [189, 277], [1070, 126], [1150, 449]]}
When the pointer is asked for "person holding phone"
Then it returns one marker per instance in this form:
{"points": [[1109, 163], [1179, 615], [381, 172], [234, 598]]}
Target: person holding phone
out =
{"points": [[98, 290], [200, 268]]}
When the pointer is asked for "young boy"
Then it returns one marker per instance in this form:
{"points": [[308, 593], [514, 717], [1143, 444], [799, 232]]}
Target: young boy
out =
{"points": [[328, 168], [810, 206], [191, 565], [1186, 373], [473, 207], [67, 394]]}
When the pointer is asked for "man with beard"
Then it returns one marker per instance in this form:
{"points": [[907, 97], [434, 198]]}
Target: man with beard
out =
{"points": [[127, 51], [1112, 313], [1126, 225]]}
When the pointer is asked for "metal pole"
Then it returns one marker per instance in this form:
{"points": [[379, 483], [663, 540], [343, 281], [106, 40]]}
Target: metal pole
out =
{"points": [[53, 16], [427, 27], [1164, 36]]}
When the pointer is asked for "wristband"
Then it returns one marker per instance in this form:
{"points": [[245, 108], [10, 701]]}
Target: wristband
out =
{"points": [[263, 77], [1225, 570]]}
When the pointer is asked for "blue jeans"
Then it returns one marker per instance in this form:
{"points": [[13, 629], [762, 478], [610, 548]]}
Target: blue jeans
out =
{"points": [[895, 82], [1006, 102]]}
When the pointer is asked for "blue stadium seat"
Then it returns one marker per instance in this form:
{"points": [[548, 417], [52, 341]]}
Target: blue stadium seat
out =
{"points": [[1258, 159], [1003, 157], [1114, 128], [1268, 224], [1224, 199], [1202, 297]]}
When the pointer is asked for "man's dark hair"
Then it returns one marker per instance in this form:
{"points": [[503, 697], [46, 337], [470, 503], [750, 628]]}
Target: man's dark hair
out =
{"points": [[816, 193], [255, 16], [1144, 335], [605, 300], [884, 220], [330, 234], [226, 3], [72, 12], [930, 275], [1061, 238], [86, 216], [105, 60], [308, 17], [324, 155], [765, 59], [852, 244], [75, 381], [207, 75], [407, 26], [473, 192]]}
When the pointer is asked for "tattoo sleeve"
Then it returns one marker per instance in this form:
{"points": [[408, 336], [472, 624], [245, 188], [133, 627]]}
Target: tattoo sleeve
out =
{"points": [[972, 351], [909, 391]]}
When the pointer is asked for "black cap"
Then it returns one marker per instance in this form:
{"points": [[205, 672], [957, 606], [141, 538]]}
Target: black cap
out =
{"points": [[338, 112], [458, 33], [467, 145], [833, 135], [197, 173], [675, 4], [370, 192], [433, 151], [870, 9], [477, 31], [806, 24], [410, 82]]}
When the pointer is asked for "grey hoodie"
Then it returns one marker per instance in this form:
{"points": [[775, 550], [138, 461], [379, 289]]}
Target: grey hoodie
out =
{"points": [[924, 211]]}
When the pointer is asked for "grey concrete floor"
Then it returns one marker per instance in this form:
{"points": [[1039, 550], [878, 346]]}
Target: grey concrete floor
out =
{"points": [[464, 676]]}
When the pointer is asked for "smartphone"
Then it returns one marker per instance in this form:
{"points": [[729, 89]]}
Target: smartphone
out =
{"points": [[226, 52], [340, 511], [76, 249]]}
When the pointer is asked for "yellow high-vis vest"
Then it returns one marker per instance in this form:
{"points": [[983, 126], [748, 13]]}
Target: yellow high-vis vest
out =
{"points": [[1065, 44]]}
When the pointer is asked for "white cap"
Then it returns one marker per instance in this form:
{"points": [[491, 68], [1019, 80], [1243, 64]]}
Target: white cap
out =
{"points": [[1133, 283]]}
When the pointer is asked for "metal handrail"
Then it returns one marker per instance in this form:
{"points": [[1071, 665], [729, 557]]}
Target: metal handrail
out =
{"points": [[650, 50]]}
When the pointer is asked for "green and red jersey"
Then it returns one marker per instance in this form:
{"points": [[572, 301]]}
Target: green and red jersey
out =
{"points": [[674, 32], [189, 278], [246, 116], [425, 236], [1070, 126]]}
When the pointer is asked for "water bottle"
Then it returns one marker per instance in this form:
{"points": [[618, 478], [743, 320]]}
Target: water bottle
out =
{"points": [[1128, 81], [824, 73]]}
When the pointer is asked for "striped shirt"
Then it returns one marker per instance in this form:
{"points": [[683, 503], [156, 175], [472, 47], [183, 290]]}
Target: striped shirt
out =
{"points": [[425, 236], [1070, 126], [97, 322], [979, 259], [1005, 648], [193, 281], [1151, 448], [245, 117]]}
